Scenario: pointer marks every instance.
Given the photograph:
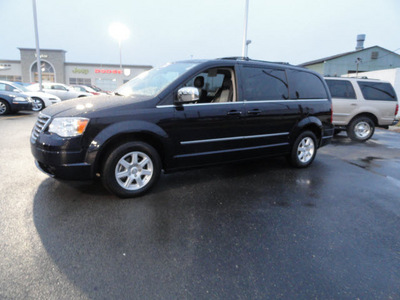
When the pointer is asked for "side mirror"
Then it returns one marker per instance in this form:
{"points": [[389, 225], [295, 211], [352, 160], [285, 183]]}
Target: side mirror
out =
{"points": [[188, 94], [16, 91]]}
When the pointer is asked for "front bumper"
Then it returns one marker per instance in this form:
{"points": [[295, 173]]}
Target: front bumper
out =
{"points": [[62, 164], [22, 106]]}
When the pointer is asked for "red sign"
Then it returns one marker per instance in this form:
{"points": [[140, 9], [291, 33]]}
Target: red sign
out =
{"points": [[107, 71]]}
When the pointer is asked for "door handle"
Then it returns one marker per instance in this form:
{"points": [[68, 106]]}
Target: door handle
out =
{"points": [[353, 104], [254, 112], [234, 113]]}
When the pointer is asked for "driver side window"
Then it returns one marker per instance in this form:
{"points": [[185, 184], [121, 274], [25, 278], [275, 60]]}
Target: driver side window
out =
{"points": [[215, 85]]}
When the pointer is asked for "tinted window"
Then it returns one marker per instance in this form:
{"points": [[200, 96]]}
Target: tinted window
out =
{"points": [[306, 85], [377, 91], [341, 89], [264, 84]]}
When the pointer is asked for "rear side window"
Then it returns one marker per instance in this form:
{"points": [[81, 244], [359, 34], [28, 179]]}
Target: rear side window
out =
{"points": [[381, 91], [305, 85], [264, 84], [341, 89]]}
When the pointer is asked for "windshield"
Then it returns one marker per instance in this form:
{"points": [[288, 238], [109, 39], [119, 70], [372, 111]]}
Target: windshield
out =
{"points": [[152, 82], [21, 87]]}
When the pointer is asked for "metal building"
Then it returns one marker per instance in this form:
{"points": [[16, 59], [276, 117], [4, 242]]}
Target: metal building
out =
{"points": [[360, 60]]}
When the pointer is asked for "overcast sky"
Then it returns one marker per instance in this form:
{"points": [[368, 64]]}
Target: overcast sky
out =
{"points": [[293, 31]]}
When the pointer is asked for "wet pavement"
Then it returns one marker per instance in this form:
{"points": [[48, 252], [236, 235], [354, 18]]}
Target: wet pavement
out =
{"points": [[254, 230]]}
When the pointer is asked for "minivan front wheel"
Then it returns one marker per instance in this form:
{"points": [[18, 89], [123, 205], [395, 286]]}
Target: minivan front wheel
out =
{"points": [[304, 150], [131, 169], [361, 129]]}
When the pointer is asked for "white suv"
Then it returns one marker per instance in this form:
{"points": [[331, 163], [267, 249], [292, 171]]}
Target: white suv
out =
{"points": [[360, 105]]}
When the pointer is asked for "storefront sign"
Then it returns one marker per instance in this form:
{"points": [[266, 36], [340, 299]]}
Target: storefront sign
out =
{"points": [[42, 55], [107, 71], [80, 71]]}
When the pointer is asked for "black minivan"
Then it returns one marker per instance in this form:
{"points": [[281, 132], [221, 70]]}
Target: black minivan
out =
{"points": [[185, 114]]}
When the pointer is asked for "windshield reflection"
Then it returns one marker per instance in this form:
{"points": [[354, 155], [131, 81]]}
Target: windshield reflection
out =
{"points": [[152, 82]]}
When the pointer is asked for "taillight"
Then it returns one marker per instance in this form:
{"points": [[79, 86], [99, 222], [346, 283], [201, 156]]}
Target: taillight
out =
{"points": [[95, 93], [397, 110]]}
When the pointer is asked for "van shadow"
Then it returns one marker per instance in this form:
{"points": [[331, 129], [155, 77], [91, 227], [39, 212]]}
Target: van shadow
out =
{"points": [[114, 248]]}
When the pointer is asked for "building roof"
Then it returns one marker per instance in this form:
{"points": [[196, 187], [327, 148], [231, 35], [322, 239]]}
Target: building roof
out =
{"points": [[321, 60], [54, 50], [101, 65]]}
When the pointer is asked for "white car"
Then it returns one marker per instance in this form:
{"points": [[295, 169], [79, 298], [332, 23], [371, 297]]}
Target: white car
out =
{"points": [[63, 91], [87, 89], [41, 100]]}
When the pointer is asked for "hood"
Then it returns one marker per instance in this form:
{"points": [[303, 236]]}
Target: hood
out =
{"points": [[87, 105]]}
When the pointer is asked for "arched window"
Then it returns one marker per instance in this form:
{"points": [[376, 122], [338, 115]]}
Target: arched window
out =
{"points": [[47, 72]]}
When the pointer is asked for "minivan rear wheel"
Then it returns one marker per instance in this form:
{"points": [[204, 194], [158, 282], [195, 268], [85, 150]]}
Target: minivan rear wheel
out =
{"points": [[131, 169], [361, 129], [304, 150]]}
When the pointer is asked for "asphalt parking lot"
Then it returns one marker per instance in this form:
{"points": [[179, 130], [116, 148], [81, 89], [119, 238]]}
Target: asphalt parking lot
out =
{"points": [[253, 230]]}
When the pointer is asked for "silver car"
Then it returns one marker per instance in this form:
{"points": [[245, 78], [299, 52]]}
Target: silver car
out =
{"points": [[63, 91]]}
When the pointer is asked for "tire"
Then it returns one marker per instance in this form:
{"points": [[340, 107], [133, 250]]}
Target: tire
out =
{"points": [[4, 107], [361, 129], [39, 104], [140, 163], [304, 150]]}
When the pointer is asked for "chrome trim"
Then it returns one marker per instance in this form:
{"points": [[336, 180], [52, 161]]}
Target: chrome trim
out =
{"points": [[233, 138], [338, 114], [284, 101], [244, 102], [230, 150], [327, 137], [198, 104], [41, 124]]}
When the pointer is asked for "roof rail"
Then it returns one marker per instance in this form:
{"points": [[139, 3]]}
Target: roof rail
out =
{"points": [[255, 60]]}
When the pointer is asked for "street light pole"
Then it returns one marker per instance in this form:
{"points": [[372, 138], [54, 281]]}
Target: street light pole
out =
{"points": [[39, 70], [120, 54], [119, 32], [245, 44]]}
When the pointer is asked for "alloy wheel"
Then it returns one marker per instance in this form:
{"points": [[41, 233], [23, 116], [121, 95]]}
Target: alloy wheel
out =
{"points": [[134, 170], [305, 150]]}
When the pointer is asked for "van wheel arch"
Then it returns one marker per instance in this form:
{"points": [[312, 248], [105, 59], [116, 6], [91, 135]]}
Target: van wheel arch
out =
{"points": [[116, 141], [314, 128]]}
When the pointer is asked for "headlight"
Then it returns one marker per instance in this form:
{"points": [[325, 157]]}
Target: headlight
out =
{"points": [[19, 99], [68, 127]]}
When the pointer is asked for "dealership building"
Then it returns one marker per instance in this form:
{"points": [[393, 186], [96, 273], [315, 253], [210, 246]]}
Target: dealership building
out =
{"points": [[55, 69]]}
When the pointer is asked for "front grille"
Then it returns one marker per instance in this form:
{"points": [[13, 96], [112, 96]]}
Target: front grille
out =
{"points": [[40, 125]]}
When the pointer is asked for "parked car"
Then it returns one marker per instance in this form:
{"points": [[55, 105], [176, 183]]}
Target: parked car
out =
{"points": [[13, 102], [99, 90], [185, 114], [86, 89], [63, 91], [360, 105], [41, 100]]}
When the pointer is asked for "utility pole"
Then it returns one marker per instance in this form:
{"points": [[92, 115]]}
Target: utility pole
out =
{"points": [[39, 69], [245, 42]]}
